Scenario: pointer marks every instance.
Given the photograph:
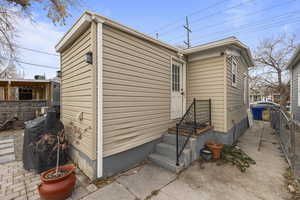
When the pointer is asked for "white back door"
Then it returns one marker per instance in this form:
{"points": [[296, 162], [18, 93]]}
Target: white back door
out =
{"points": [[177, 89]]}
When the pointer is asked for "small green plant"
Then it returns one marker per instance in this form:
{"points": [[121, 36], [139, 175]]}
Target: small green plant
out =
{"points": [[236, 156]]}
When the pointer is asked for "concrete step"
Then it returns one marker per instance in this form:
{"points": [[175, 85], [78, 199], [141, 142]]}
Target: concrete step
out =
{"points": [[170, 152], [171, 139], [165, 162]]}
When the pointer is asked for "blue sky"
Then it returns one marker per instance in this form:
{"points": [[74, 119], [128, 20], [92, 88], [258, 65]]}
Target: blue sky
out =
{"points": [[248, 20]]}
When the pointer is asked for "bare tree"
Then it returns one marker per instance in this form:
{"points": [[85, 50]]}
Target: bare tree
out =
{"points": [[271, 57], [11, 10]]}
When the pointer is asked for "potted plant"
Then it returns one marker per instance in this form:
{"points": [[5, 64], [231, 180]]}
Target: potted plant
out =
{"points": [[215, 148], [56, 183]]}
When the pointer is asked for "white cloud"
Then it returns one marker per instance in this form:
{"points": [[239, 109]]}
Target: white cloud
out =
{"points": [[41, 36]]}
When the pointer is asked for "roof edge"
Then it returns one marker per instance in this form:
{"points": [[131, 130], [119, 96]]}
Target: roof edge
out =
{"points": [[294, 59], [87, 17], [77, 28], [220, 43]]}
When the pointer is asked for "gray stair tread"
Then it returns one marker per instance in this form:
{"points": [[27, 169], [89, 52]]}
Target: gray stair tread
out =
{"points": [[171, 139], [173, 147], [6, 141], [165, 162]]}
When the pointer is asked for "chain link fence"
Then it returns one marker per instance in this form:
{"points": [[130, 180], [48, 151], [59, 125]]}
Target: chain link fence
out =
{"points": [[289, 135]]}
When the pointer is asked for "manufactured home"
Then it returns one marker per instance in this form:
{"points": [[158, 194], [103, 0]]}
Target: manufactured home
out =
{"points": [[123, 92]]}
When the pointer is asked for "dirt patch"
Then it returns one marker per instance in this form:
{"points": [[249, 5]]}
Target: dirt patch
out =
{"points": [[292, 185]]}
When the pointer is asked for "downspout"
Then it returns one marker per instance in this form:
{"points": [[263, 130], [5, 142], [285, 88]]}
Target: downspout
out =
{"points": [[99, 93]]}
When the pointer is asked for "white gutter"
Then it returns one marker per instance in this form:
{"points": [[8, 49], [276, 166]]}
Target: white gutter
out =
{"points": [[99, 89]]}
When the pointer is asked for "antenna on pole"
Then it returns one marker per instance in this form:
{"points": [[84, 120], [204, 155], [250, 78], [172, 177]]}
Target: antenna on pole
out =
{"points": [[188, 31]]}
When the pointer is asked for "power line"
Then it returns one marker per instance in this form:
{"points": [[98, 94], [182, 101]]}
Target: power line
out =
{"points": [[264, 27], [33, 50], [234, 19], [210, 15], [281, 18], [182, 18], [38, 51], [28, 63]]}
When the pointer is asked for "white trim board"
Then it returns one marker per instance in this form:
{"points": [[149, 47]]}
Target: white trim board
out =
{"points": [[99, 109], [77, 29]]}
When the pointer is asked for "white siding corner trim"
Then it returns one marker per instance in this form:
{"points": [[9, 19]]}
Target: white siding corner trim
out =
{"points": [[99, 99]]}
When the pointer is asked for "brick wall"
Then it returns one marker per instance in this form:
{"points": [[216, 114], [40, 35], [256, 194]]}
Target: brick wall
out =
{"points": [[24, 110]]}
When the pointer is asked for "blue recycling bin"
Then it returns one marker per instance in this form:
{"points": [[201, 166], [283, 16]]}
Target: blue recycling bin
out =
{"points": [[257, 112]]}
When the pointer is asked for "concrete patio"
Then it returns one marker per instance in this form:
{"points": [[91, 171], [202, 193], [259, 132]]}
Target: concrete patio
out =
{"points": [[210, 181], [207, 181]]}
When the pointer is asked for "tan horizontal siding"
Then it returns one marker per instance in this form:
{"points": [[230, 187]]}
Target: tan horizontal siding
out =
{"points": [[237, 110], [205, 79], [77, 94], [136, 91]]}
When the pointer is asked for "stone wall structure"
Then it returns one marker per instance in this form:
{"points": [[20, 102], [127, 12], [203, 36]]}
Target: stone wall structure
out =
{"points": [[23, 110]]}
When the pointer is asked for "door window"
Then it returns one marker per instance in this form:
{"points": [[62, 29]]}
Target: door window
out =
{"points": [[175, 78]]}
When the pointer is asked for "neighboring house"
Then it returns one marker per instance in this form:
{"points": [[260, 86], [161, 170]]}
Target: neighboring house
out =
{"points": [[121, 90], [294, 67], [24, 98], [256, 95]]}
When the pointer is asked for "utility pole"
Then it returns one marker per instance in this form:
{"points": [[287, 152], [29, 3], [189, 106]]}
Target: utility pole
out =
{"points": [[188, 31]]}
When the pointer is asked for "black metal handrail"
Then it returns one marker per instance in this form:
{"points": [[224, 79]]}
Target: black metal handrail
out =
{"points": [[191, 122]]}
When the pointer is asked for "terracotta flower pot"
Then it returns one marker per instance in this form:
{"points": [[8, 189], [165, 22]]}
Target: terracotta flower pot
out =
{"points": [[58, 188], [215, 148]]}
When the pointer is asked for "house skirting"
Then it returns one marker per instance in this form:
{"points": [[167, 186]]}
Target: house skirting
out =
{"points": [[125, 160], [87, 165]]}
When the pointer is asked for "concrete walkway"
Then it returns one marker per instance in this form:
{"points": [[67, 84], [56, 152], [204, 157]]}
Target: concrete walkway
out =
{"points": [[209, 181]]}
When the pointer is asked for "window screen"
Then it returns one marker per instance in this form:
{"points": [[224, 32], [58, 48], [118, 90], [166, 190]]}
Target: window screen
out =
{"points": [[175, 78]]}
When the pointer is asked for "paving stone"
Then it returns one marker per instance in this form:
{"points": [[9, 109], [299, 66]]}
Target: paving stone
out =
{"points": [[23, 197], [11, 196], [18, 188], [7, 158], [6, 141], [35, 197], [3, 146], [6, 151], [92, 188]]}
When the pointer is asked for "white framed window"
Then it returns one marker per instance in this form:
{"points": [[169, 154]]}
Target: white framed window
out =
{"points": [[233, 72], [298, 89]]}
